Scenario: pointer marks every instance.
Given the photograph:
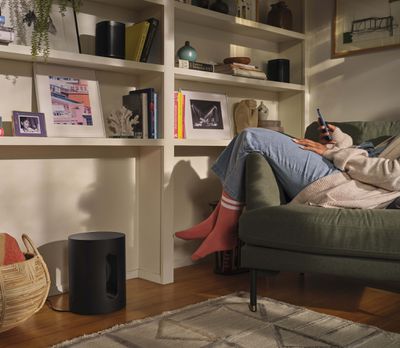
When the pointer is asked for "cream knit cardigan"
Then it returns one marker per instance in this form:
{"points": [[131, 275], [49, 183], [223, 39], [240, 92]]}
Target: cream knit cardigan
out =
{"points": [[363, 183]]}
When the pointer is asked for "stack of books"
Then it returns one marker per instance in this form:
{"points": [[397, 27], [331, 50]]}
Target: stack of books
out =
{"points": [[139, 38], [144, 104], [185, 64], [243, 70], [271, 124], [179, 115], [7, 35]]}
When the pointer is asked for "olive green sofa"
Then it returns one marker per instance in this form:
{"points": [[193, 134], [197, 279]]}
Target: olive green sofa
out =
{"points": [[348, 242]]}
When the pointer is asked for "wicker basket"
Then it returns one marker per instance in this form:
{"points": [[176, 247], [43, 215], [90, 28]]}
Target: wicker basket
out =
{"points": [[24, 287]]}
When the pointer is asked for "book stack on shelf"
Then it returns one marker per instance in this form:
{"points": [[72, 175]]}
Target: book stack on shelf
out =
{"points": [[144, 106], [186, 64], [139, 39], [179, 115], [7, 34], [271, 124], [242, 70]]}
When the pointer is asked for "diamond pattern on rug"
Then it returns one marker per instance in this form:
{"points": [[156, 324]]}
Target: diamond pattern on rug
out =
{"points": [[224, 322], [227, 322], [289, 339], [169, 329]]}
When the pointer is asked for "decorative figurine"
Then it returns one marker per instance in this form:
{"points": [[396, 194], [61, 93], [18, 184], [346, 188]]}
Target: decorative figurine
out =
{"points": [[187, 52], [246, 115], [262, 111], [122, 123]]}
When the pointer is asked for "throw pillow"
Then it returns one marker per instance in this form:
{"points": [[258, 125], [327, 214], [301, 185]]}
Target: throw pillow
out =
{"points": [[9, 250]]}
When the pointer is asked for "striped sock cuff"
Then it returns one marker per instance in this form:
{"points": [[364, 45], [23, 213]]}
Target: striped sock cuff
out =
{"points": [[231, 207], [230, 204]]}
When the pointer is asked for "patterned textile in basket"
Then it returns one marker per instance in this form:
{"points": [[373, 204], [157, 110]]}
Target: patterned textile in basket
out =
{"points": [[24, 287]]}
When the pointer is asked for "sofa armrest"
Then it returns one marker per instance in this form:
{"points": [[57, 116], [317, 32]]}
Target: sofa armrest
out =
{"points": [[262, 189]]}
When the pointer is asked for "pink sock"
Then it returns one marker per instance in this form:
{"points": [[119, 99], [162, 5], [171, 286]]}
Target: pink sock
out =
{"points": [[201, 230], [224, 234]]}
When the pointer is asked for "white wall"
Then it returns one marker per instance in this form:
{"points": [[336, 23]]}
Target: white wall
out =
{"points": [[362, 87]]}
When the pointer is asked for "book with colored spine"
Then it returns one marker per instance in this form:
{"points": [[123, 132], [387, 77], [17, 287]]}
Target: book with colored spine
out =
{"points": [[143, 97], [133, 102], [175, 115], [150, 111], [179, 115], [156, 120], [153, 26], [185, 64], [135, 38]]}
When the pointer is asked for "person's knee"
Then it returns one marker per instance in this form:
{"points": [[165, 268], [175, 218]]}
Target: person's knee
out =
{"points": [[251, 138], [257, 134], [253, 132]]}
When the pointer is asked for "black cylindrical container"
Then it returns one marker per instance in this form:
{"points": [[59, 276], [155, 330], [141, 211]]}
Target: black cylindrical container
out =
{"points": [[110, 39], [96, 272], [279, 70]]}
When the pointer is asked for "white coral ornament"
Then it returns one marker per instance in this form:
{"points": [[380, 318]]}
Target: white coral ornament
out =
{"points": [[121, 122]]}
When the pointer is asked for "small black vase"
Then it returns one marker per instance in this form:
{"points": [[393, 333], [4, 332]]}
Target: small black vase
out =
{"points": [[201, 3], [219, 6], [280, 16]]}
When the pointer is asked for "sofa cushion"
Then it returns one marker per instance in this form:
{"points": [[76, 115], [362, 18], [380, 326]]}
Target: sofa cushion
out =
{"points": [[342, 232], [375, 131]]}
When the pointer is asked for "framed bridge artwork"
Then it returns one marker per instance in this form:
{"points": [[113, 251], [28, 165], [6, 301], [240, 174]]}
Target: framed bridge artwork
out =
{"points": [[361, 26]]}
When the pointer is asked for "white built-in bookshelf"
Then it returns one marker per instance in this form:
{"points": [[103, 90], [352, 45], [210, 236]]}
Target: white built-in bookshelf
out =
{"points": [[157, 177]]}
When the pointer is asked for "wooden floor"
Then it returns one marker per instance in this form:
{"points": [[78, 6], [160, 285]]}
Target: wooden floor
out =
{"points": [[359, 301]]}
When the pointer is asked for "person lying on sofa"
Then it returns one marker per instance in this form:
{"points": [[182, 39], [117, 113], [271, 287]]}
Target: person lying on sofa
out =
{"points": [[331, 175]]}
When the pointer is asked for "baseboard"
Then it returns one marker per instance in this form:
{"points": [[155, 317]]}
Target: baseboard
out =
{"points": [[153, 277], [183, 263], [132, 274], [64, 287]]}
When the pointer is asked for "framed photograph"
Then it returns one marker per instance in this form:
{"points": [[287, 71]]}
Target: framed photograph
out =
{"points": [[361, 26], [206, 116], [70, 99], [28, 124]]}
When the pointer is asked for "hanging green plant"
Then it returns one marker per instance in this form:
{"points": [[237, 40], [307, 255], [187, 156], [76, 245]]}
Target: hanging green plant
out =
{"points": [[40, 34], [36, 14]]}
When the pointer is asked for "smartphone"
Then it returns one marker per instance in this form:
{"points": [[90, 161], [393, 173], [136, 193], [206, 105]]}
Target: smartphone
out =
{"points": [[323, 123]]}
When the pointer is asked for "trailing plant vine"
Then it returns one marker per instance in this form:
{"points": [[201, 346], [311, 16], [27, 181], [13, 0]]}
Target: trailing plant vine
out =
{"points": [[37, 13]]}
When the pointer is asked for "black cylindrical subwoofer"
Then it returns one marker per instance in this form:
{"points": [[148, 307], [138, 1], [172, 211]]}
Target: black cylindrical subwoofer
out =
{"points": [[96, 272], [279, 70], [110, 39]]}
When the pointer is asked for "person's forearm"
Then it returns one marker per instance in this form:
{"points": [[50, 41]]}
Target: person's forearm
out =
{"points": [[380, 172], [341, 139]]}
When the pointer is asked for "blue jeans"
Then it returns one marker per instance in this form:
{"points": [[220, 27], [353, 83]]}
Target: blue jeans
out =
{"points": [[294, 167]]}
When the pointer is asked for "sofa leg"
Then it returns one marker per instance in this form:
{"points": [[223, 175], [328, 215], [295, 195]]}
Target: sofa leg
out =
{"points": [[253, 290]]}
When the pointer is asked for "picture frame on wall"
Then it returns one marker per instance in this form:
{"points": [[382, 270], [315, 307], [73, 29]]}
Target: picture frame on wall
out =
{"points": [[361, 26], [206, 116], [28, 124], [70, 100]]}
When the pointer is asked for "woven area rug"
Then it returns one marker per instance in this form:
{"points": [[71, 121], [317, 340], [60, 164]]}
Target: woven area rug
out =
{"points": [[227, 322]]}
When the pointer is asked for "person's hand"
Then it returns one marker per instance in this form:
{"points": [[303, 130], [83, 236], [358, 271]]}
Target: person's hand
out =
{"points": [[324, 132], [310, 145]]}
